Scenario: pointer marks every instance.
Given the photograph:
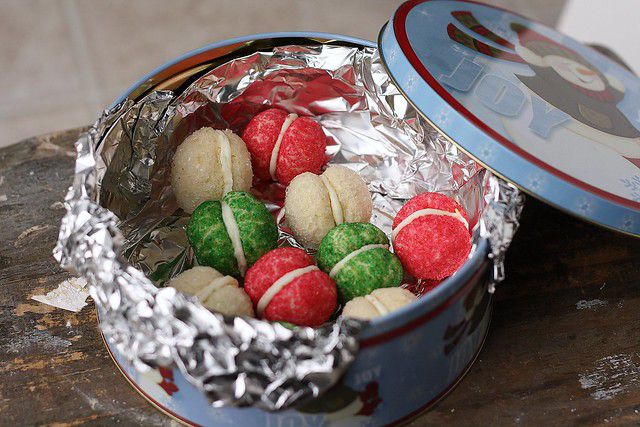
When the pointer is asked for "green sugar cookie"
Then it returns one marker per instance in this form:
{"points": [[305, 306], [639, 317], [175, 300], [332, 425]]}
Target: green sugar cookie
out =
{"points": [[356, 256], [231, 235]]}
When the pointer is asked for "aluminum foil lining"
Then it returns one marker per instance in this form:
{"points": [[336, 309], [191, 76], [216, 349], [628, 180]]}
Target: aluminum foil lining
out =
{"points": [[124, 232]]}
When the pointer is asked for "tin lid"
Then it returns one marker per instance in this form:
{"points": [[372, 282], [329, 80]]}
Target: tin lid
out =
{"points": [[557, 118]]}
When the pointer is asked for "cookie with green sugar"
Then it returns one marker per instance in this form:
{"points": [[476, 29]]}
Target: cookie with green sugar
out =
{"points": [[230, 235], [357, 257]]}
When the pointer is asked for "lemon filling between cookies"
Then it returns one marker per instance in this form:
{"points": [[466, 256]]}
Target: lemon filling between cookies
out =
{"points": [[214, 286], [427, 212], [334, 201], [377, 304], [340, 264], [233, 231], [225, 163], [276, 148]]}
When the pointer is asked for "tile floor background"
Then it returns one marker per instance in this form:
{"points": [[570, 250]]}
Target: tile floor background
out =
{"points": [[62, 61]]}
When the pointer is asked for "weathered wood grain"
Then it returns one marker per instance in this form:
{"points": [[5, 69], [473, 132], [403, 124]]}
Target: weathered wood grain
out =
{"points": [[564, 346], [53, 365]]}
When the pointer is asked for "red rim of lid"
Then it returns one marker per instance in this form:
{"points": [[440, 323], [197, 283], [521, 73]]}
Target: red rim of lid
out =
{"points": [[403, 40]]}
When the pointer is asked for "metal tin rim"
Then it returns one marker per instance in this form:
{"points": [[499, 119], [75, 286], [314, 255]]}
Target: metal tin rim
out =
{"points": [[138, 389], [239, 40], [401, 421]]}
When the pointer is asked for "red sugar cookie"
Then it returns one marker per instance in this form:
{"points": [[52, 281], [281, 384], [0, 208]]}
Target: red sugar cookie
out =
{"points": [[431, 236], [284, 145], [285, 285]]}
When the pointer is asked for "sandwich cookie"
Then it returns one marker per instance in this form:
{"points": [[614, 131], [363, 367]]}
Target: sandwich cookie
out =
{"points": [[315, 204], [285, 285], [378, 303], [214, 291], [208, 164], [357, 257], [230, 235], [284, 145], [431, 236]]}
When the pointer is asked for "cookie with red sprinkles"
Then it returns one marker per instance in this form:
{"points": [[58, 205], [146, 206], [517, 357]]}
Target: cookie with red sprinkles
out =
{"points": [[431, 236], [285, 285], [283, 145]]}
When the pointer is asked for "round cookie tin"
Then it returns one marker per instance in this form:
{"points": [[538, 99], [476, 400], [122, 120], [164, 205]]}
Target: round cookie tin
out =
{"points": [[548, 114], [440, 337], [557, 118], [441, 334]]}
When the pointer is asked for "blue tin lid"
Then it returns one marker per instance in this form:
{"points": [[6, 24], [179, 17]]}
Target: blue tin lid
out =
{"points": [[556, 118]]}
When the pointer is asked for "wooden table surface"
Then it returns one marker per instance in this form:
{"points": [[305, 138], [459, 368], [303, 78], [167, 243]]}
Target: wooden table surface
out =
{"points": [[563, 348]]}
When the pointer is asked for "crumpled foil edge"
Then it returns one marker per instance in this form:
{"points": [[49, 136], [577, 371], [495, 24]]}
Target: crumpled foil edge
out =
{"points": [[169, 327], [500, 221], [235, 361]]}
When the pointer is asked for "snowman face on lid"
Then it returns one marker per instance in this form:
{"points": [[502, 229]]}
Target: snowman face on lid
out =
{"points": [[576, 73]]}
